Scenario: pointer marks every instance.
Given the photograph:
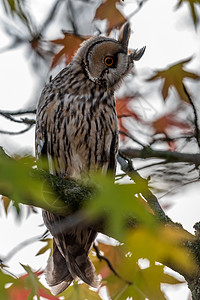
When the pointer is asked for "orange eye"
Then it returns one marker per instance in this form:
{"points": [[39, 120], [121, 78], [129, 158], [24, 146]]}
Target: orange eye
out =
{"points": [[108, 60]]}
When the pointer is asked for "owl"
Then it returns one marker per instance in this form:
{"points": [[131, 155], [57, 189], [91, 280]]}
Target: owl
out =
{"points": [[76, 129]]}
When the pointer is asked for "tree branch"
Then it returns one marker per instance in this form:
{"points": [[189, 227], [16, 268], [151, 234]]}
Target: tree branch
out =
{"points": [[168, 156], [197, 132]]}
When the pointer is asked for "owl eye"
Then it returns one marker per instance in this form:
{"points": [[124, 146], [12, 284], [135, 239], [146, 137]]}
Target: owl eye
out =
{"points": [[108, 60]]}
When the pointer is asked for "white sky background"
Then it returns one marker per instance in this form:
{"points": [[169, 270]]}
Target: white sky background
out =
{"points": [[169, 37]]}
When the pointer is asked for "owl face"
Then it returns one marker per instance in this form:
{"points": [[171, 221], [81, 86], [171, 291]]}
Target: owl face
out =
{"points": [[106, 61]]}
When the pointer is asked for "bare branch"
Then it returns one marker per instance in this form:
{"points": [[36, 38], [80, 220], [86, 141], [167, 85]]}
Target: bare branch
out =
{"points": [[18, 132], [22, 245], [167, 156], [131, 137], [197, 132]]}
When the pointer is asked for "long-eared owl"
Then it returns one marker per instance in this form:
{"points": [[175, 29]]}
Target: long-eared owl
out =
{"points": [[76, 129]]}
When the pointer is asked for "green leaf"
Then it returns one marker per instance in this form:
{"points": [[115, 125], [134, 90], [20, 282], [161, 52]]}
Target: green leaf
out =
{"points": [[17, 184], [49, 245], [173, 76], [4, 279], [118, 202], [28, 286], [164, 245], [79, 292]]}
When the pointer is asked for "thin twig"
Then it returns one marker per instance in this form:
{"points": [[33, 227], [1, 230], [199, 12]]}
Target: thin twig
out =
{"points": [[140, 5], [18, 112], [72, 17], [131, 137], [50, 15], [101, 257], [18, 132], [22, 245], [197, 132], [169, 156]]}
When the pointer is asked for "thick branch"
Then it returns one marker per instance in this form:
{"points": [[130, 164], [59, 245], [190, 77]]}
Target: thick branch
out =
{"points": [[168, 156]]}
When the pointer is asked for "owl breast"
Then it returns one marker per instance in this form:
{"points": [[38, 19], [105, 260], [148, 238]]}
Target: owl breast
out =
{"points": [[82, 134]]}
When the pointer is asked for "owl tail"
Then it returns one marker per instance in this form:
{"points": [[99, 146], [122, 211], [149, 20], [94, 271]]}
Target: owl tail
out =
{"points": [[70, 260], [57, 274]]}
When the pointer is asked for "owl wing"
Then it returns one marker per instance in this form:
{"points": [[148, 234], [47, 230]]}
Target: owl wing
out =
{"points": [[71, 247]]}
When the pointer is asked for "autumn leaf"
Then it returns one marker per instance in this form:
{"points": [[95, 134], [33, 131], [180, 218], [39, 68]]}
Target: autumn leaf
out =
{"points": [[164, 123], [6, 203], [28, 286], [147, 283], [173, 76], [70, 44], [5, 279], [80, 291], [124, 110], [115, 254], [49, 245], [164, 244], [193, 10], [108, 10]]}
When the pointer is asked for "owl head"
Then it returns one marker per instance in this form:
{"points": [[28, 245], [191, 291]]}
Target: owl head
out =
{"points": [[105, 60]]}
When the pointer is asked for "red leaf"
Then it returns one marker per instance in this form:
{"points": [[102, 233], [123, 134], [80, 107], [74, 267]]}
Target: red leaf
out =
{"points": [[123, 107], [108, 10], [163, 124], [21, 288], [70, 43], [18, 293]]}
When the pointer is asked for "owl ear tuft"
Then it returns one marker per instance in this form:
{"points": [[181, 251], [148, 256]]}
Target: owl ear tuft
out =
{"points": [[124, 34]]}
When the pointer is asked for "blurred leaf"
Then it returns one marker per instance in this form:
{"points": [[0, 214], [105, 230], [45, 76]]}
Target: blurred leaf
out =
{"points": [[79, 292], [124, 110], [193, 9], [108, 10], [173, 76], [6, 203], [118, 202], [70, 43], [165, 245], [17, 183], [49, 245], [28, 286], [162, 124], [17, 8], [4, 279], [147, 283], [115, 254]]}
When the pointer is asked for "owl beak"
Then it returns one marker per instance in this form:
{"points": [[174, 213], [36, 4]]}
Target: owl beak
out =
{"points": [[137, 54]]}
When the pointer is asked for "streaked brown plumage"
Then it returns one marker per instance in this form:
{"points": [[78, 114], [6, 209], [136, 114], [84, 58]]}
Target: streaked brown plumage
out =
{"points": [[76, 128]]}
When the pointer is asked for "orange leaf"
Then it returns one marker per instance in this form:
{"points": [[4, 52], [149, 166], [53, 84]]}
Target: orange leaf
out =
{"points": [[20, 289], [123, 108], [193, 9], [6, 203], [108, 10], [70, 43], [161, 125], [173, 76]]}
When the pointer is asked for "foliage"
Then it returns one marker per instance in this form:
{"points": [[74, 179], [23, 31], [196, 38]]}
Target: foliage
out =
{"points": [[25, 287], [173, 76]]}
